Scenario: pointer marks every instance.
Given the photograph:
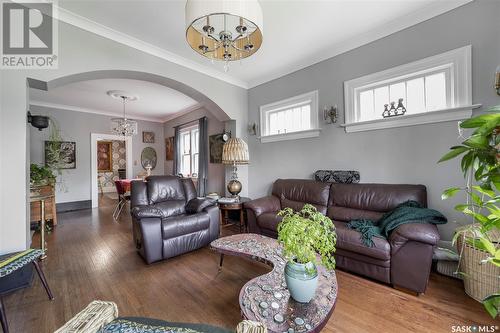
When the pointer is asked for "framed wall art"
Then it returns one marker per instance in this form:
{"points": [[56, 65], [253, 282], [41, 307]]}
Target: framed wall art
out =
{"points": [[148, 137], [60, 154]]}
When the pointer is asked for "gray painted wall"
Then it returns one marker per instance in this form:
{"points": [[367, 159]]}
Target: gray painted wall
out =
{"points": [[77, 126], [216, 173], [400, 155]]}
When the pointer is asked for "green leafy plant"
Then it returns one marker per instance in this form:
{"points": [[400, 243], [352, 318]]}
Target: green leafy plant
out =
{"points": [[41, 175], [53, 148], [306, 234], [481, 167]]}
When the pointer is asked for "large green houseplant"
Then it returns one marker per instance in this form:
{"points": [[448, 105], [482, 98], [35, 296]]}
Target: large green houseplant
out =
{"points": [[480, 164], [308, 238]]}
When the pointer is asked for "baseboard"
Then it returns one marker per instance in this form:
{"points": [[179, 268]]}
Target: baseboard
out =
{"points": [[74, 205]]}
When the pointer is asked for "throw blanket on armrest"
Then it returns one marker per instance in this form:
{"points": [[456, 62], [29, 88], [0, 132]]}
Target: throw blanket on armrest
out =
{"points": [[407, 212]]}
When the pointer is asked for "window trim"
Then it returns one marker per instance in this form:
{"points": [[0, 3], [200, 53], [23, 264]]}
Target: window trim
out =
{"points": [[457, 62], [267, 109], [188, 129]]}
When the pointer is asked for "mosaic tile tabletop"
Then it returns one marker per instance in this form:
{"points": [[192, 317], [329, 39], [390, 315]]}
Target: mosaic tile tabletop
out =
{"points": [[266, 298]]}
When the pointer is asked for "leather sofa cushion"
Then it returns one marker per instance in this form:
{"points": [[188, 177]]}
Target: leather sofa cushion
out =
{"points": [[302, 190], [298, 205], [347, 214], [197, 205], [189, 189], [269, 221], [171, 208], [375, 197], [350, 240], [165, 188], [179, 225]]}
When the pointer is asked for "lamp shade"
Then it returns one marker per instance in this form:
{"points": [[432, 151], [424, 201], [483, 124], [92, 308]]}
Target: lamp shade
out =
{"points": [[235, 151]]}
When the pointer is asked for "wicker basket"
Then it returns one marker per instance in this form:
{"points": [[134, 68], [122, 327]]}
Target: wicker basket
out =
{"points": [[448, 268], [480, 279]]}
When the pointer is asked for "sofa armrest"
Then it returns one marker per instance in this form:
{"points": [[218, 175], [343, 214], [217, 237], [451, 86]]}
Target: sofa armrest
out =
{"points": [[145, 211], [267, 204], [412, 246], [198, 205], [419, 232], [148, 238]]}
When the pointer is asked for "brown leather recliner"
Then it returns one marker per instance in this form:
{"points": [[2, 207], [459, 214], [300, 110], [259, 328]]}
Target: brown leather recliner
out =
{"points": [[168, 219], [403, 260]]}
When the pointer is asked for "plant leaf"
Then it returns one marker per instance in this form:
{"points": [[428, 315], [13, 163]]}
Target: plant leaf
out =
{"points": [[455, 151], [448, 193]]}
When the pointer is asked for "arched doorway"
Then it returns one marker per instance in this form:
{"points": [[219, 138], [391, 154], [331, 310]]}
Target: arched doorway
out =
{"points": [[202, 99]]}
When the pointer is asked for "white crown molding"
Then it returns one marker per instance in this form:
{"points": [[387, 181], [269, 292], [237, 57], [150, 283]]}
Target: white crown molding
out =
{"points": [[389, 28], [120, 37], [182, 112], [111, 114]]}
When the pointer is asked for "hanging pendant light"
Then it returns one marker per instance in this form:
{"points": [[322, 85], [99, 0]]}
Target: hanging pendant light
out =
{"points": [[225, 30], [123, 126]]}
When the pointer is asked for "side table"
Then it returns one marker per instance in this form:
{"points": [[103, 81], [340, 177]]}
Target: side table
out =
{"points": [[233, 206]]}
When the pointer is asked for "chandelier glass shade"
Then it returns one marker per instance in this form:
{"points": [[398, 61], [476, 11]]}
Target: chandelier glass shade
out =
{"points": [[224, 30], [123, 126]]}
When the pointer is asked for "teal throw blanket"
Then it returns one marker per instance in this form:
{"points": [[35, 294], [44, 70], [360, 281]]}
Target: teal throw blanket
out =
{"points": [[407, 212]]}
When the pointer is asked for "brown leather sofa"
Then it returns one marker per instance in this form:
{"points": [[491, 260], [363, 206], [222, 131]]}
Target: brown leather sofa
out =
{"points": [[168, 219], [404, 260]]}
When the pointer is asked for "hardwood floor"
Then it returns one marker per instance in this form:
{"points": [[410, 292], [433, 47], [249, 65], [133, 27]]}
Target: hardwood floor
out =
{"points": [[91, 257]]}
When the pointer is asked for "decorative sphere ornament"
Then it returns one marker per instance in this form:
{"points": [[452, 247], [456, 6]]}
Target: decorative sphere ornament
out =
{"points": [[234, 187]]}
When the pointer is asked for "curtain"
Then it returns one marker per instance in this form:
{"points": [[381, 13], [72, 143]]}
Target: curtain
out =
{"points": [[177, 151], [203, 156]]}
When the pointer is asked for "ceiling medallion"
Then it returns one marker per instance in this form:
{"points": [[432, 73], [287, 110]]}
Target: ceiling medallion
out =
{"points": [[224, 30], [123, 126]]}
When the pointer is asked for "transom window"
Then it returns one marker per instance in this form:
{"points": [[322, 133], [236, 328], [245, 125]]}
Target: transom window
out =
{"points": [[440, 84], [420, 93], [189, 139], [293, 118]]}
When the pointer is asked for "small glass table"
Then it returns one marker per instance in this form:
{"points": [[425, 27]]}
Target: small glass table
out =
{"points": [[266, 298]]}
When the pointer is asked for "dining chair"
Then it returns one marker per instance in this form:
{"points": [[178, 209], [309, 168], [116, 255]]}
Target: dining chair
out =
{"points": [[123, 197]]}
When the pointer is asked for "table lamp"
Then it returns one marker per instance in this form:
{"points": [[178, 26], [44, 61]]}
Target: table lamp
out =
{"points": [[235, 152]]}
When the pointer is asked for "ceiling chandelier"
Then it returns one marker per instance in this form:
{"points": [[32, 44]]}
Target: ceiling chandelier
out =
{"points": [[224, 30], [123, 126]]}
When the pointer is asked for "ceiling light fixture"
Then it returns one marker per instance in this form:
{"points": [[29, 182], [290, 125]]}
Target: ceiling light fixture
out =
{"points": [[123, 126], [224, 30]]}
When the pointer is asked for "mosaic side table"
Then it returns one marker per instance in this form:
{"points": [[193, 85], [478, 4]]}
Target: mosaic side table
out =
{"points": [[266, 299]]}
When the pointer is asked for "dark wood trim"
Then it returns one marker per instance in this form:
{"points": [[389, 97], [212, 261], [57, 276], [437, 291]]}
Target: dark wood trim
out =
{"points": [[73, 205]]}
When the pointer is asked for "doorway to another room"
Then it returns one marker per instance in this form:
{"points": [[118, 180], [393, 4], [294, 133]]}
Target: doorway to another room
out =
{"points": [[111, 162], [111, 167]]}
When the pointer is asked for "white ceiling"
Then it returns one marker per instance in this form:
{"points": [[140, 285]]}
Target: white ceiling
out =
{"points": [[156, 102], [297, 33]]}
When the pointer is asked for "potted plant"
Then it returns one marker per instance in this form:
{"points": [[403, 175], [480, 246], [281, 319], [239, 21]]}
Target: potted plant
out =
{"points": [[308, 238], [479, 242], [41, 175]]}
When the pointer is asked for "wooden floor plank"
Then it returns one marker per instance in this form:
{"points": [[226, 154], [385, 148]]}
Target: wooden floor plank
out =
{"points": [[93, 257]]}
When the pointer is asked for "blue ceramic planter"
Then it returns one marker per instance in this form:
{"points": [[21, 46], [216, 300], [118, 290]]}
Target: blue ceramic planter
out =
{"points": [[301, 280]]}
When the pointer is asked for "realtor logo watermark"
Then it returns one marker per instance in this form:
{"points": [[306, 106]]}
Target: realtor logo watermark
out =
{"points": [[29, 35]]}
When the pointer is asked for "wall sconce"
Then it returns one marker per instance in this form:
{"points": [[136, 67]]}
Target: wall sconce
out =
{"points": [[330, 114], [252, 129], [497, 80]]}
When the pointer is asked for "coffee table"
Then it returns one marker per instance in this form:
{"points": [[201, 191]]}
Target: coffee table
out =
{"points": [[266, 298]]}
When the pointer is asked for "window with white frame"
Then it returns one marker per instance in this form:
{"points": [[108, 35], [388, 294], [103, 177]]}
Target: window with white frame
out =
{"points": [[189, 141], [293, 118], [433, 89]]}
